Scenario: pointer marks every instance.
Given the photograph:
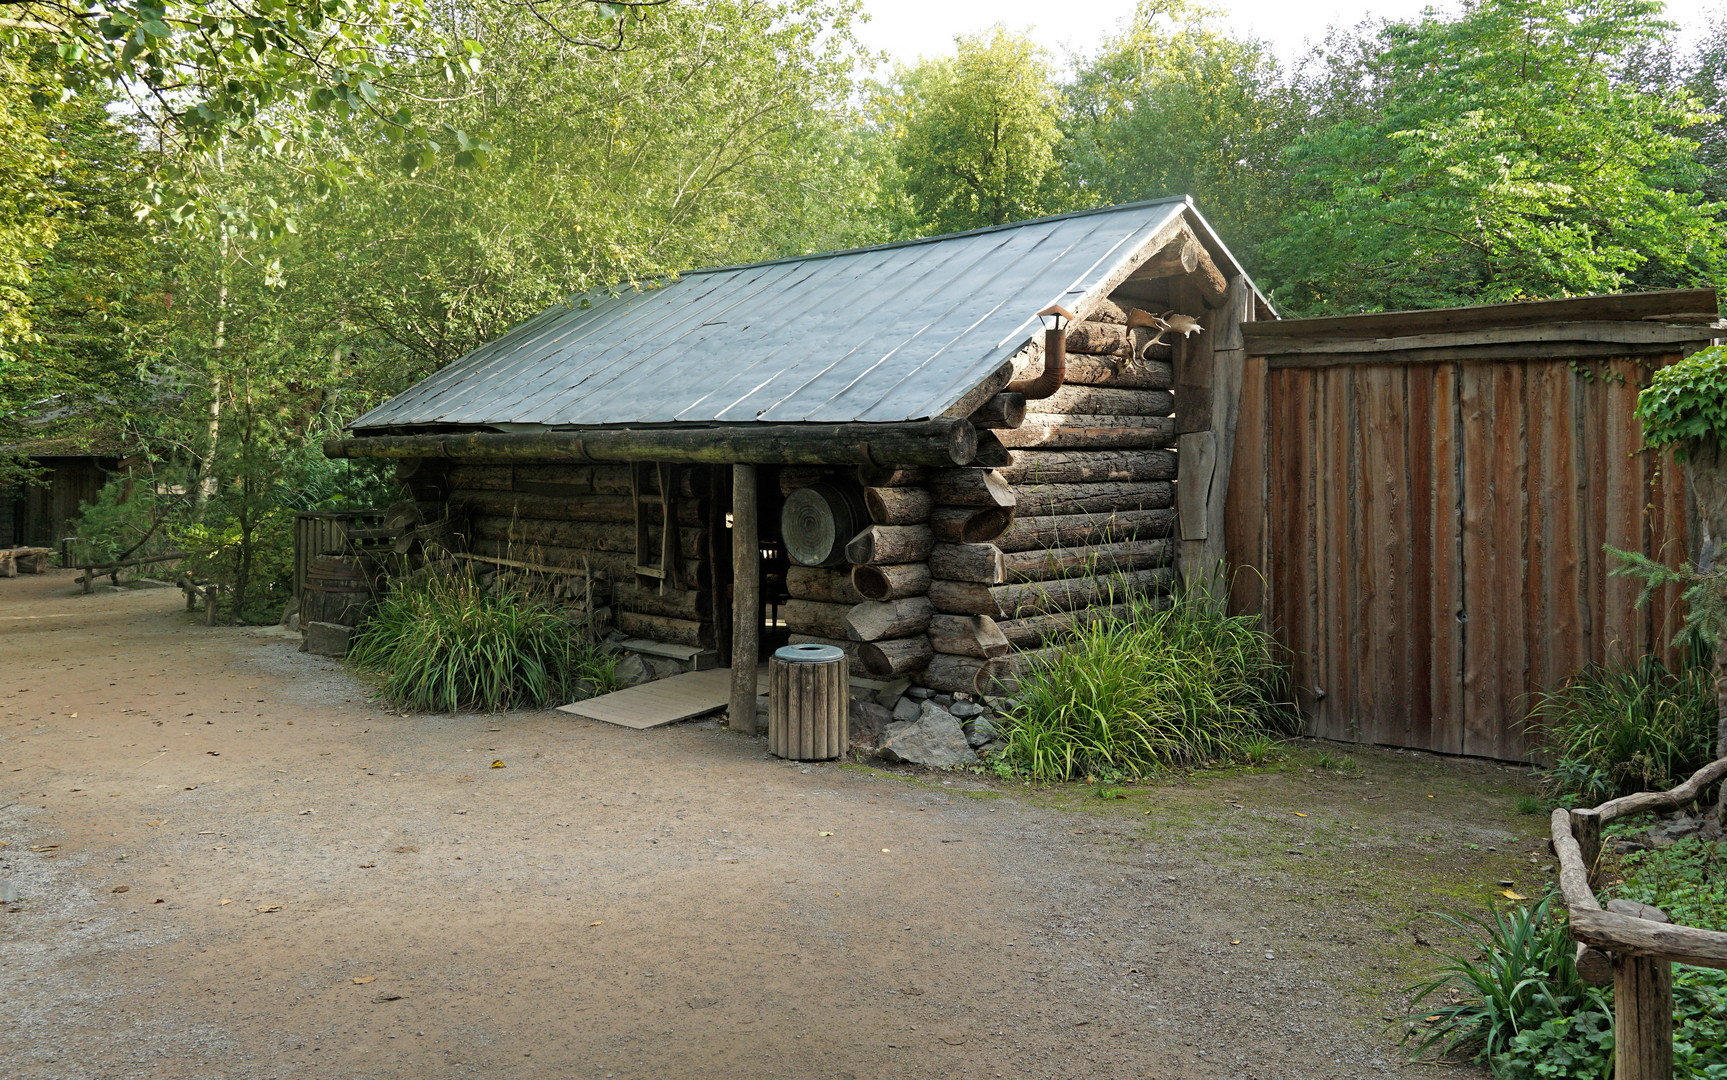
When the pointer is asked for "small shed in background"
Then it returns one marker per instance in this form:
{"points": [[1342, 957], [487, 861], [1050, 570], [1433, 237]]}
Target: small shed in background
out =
{"points": [[1426, 496]]}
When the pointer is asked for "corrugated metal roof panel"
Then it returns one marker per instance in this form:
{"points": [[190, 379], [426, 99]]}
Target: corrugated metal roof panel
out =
{"points": [[892, 333]]}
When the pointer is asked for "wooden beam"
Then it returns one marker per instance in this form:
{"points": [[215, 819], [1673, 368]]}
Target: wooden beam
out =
{"points": [[945, 441], [746, 600]]}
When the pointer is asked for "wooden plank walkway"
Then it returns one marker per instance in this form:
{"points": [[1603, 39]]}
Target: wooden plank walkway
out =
{"points": [[664, 701]]}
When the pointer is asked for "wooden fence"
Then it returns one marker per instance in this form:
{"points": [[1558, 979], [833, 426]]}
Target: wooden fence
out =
{"points": [[1426, 497], [325, 534], [1633, 946]]}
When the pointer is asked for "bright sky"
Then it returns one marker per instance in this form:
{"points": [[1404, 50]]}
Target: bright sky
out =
{"points": [[906, 28]]}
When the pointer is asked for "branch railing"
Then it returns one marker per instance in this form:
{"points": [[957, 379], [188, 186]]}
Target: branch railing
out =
{"points": [[1633, 945]]}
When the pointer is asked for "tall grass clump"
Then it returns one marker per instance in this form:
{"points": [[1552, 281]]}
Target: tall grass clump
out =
{"points": [[1154, 688], [442, 641], [1612, 730], [1518, 1000]]}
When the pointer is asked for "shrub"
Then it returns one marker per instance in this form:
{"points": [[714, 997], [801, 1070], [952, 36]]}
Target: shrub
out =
{"points": [[126, 519], [1630, 727], [1523, 979], [213, 550], [1134, 695], [1520, 1007], [442, 641]]}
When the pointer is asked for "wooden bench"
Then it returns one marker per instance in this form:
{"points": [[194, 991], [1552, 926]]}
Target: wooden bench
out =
{"points": [[92, 571], [31, 560]]}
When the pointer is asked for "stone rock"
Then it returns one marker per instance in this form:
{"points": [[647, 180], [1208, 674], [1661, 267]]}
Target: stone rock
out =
{"points": [[292, 623], [582, 690], [933, 739], [617, 637], [1671, 831], [632, 670], [890, 694], [965, 710], [664, 669], [944, 700], [868, 721], [907, 710], [980, 731], [328, 638], [8, 891], [921, 693]]}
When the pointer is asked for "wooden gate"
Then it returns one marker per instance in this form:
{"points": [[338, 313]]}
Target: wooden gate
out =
{"points": [[1427, 496]]}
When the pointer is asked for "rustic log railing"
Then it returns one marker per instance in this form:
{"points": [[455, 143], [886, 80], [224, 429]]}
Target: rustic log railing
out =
{"points": [[1632, 944]]}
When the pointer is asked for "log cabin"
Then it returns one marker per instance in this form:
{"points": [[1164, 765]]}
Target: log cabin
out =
{"points": [[936, 454]]}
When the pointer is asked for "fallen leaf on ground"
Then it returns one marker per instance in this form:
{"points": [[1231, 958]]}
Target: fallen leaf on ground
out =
{"points": [[1298, 813], [225, 901], [155, 823], [381, 998], [158, 900], [362, 980], [122, 888], [266, 908], [46, 847], [1237, 941], [497, 764], [367, 865], [884, 850], [596, 924], [824, 834], [1512, 894]]}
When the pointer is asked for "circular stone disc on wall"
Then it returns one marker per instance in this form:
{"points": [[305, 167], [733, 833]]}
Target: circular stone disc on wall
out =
{"points": [[808, 527], [818, 521]]}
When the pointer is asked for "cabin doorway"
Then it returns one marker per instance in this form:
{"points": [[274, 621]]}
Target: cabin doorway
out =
{"points": [[771, 564]]}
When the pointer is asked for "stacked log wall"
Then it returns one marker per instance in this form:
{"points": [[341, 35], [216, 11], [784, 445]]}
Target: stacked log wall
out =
{"points": [[875, 605], [1093, 477], [581, 519]]}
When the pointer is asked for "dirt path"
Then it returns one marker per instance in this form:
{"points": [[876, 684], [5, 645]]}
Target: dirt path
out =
{"points": [[251, 870]]}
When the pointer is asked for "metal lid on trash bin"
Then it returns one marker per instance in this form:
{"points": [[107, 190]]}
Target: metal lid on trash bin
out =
{"points": [[809, 654]]}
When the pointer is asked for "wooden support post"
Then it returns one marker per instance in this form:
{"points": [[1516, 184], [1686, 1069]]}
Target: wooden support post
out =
{"points": [[746, 600], [212, 596], [1586, 827], [1642, 1018]]}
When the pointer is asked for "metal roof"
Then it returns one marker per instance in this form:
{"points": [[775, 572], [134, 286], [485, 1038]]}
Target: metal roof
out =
{"points": [[891, 333]]}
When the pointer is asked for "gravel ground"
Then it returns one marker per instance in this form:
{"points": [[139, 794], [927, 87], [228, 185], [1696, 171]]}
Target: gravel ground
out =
{"points": [[232, 863]]}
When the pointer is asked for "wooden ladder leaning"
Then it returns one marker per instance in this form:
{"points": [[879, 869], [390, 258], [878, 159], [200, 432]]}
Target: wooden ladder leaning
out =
{"points": [[645, 502]]}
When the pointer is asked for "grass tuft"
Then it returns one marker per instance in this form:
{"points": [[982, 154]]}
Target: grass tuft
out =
{"points": [[442, 641], [1631, 727], [1132, 696]]}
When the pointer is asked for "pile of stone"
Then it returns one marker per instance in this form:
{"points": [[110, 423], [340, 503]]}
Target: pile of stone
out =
{"points": [[918, 726]]}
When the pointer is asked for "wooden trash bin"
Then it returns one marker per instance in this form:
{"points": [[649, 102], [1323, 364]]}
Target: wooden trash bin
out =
{"points": [[809, 702]]}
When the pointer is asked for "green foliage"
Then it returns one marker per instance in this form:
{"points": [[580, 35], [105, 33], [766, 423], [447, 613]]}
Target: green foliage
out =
{"points": [[1627, 727], [1504, 153], [1530, 805], [1686, 402], [1175, 105], [976, 138], [1260, 750], [126, 520], [258, 552], [442, 641], [1152, 690], [1687, 880], [1523, 976]]}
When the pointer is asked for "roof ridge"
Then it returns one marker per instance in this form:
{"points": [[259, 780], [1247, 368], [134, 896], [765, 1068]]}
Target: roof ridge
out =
{"points": [[815, 255]]}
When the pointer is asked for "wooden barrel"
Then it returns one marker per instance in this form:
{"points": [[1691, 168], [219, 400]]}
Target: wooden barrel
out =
{"points": [[809, 703], [338, 589], [818, 521]]}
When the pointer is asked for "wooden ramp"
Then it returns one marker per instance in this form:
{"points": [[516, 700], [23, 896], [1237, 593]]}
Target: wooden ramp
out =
{"points": [[664, 701]]}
